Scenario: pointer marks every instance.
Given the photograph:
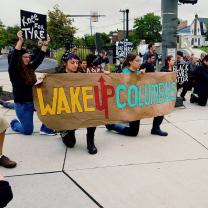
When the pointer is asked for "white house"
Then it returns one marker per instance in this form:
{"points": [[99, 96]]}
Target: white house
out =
{"points": [[194, 34]]}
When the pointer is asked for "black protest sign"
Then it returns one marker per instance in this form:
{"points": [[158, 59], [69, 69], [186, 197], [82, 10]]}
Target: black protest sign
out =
{"points": [[181, 73], [33, 25], [123, 48]]}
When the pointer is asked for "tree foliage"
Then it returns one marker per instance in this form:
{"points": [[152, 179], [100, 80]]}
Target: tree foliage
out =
{"points": [[60, 28], [8, 35], [90, 40], [148, 28]]}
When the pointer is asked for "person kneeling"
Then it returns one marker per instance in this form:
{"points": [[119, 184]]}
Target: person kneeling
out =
{"points": [[71, 62]]}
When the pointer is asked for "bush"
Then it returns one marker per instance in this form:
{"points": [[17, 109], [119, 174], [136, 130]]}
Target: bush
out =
{"points": [[204, 48], [58, 55]]}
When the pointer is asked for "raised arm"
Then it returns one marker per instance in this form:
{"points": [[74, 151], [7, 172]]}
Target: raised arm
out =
{"points": [[45, 44], [16, 53], [39, 58], [20, 41]]}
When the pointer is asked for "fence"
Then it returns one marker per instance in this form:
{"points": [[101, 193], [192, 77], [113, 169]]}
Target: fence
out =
{"points": [[84, 50]]}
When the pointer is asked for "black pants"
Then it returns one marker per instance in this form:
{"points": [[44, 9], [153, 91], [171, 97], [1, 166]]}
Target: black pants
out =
{"points": [[90, 132], [185, 87], [133, 128], [5, 193], [201, 100]]}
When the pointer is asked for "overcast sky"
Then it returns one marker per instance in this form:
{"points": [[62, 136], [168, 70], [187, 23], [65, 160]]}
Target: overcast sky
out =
{"points": [[10, 11]]}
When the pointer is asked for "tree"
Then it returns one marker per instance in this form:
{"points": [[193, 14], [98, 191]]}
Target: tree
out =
{"points": [[60, 28], [12, 35], [148, 28], [105, 40], [89, 40], [2, 35]]}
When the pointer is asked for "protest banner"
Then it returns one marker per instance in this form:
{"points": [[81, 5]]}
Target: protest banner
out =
{"points": [[71, 101], [33, 25], [181, 73]]}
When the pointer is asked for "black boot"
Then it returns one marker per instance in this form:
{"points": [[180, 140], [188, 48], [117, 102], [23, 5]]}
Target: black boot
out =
{"points": [[68, 138], [91, 145], [159, 132]]}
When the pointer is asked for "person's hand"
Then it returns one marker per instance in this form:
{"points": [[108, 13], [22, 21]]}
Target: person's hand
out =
{"points": [[40, 43], [40, 77], [20, 35], [142, 71], [107, 72], [46, 42]]}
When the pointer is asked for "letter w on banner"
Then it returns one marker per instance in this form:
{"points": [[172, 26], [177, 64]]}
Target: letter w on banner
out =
{"points": [[70, 101]]}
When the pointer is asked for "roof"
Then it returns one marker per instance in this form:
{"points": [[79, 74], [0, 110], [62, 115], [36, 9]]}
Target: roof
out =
{"points": [[204, 20], [185, 31]]}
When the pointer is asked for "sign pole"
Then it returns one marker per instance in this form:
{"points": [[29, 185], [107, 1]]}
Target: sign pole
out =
{"points": [[169, 22]]}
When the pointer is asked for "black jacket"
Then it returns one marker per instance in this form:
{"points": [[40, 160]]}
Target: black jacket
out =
{"points": [[149, 67], [22, 92], [201, 80]]}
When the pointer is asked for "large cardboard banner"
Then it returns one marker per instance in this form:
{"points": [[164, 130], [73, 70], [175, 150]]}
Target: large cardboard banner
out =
{"points": [[70, 101], [33, 25]]}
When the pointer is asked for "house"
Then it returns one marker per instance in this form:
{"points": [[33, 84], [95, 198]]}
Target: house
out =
{"points": [[194, 34], [118, 35]]}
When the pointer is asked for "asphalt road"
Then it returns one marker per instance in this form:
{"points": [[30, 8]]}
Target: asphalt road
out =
{"points": [[47, 64]]}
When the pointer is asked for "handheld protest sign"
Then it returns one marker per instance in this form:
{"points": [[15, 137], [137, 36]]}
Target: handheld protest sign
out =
{"points": [[181, 73], [123, 48], [33, 25]]}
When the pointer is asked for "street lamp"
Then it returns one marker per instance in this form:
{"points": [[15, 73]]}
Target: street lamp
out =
{"points": [[188, 1]]}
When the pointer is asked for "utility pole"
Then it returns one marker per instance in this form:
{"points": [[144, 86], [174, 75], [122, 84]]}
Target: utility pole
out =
{"points": [[124, 20], [91, 26], [169, 22], [127, 23], [93, 18]]}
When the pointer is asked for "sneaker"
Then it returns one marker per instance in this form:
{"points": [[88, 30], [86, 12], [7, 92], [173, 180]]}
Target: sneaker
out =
{"points": [[49, 132], [159, 132], [6, 162]]}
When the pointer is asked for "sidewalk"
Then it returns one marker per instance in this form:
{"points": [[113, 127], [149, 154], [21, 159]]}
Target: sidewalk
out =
{"points": [[128, 172]]}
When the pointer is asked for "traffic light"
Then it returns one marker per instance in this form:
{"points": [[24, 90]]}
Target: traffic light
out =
{"points": [[188, 1]]}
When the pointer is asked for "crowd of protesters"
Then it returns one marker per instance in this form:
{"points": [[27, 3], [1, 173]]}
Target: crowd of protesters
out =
{"points": [[22, 76]]}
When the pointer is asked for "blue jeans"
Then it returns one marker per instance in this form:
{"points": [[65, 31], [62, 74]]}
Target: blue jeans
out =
{"points": [[24, 112], [133, 128]]}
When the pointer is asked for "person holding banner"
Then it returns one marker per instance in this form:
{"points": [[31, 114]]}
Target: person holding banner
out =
{"points": [[169, 63], [148, 65], [68, 136], [23, 78], [131, 66]]}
